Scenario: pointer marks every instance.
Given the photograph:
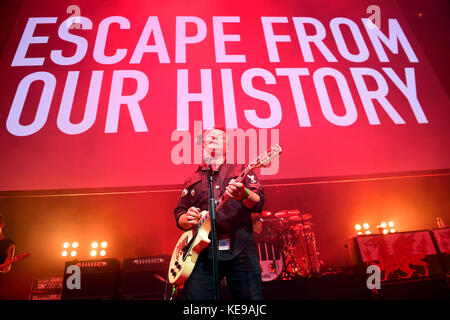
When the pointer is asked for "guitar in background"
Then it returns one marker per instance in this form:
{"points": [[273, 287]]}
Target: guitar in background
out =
{"points": [[4, 267]]}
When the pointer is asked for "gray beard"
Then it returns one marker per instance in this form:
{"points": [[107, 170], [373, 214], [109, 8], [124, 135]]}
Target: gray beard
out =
{"points": [[213, 157]]}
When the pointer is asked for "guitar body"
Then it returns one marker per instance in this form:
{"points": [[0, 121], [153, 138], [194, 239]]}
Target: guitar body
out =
{"points": [[186, 252]]}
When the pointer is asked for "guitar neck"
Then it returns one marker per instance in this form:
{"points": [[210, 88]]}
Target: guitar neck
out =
{"points": [[224, 197], [15, 259], [262, 160]]}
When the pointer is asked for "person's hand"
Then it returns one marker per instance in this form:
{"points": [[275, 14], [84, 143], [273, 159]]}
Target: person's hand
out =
{"points": [[190, 218], [236, 190]]}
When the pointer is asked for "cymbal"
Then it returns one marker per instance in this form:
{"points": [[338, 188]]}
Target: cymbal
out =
{"points": [[303, 217], [291, 221], [296, 220], [266, 214], [287, 213]]}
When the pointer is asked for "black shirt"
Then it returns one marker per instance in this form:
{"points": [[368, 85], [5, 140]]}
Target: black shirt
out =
{"points": [[4, 245], [233, 219]]}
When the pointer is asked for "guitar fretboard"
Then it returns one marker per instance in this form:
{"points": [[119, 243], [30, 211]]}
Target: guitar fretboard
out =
{"points": [[15, 259], [224, 197]]}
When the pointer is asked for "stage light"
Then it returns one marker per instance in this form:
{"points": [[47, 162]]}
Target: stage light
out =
{"points": [[385, 231], [392, 230], [102, 253], [73, 253], [66, 245], [94, 245], [93, 253], [359, 232], [383, 225], [104, 244], [390, 224], [357, 226], [368, 232], [75, 244], [64, 253], [366, 226]]}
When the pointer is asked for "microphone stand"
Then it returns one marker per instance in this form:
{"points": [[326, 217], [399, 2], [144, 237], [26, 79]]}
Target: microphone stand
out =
{"points": [[307, 248], [212, 215]]}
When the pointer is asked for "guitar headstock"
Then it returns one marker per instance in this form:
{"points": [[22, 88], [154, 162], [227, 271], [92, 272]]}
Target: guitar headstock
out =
{"points": [[265, 158]]}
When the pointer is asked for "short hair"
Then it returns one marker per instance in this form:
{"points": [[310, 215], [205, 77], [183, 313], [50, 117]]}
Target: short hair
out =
{"points": [[219, 127]]}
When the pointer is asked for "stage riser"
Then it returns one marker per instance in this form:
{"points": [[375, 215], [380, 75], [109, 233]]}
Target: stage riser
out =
{"points": [[350, 288]]}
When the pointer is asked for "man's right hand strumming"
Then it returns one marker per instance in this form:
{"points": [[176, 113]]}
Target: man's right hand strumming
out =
{"points": [[190, 218]]}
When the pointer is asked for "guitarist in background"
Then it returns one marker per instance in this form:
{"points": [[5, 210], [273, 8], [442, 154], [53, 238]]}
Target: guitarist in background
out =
{"points": [[7, 247], [238, 258]]}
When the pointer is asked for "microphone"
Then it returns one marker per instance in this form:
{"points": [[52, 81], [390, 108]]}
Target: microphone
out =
{"points": [[208, 159]]}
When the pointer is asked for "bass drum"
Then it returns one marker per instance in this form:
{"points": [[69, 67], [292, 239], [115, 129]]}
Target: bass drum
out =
{"points": [[270, 261]]}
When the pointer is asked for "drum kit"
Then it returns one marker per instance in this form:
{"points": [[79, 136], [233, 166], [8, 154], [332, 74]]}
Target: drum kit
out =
{"points": [[286, 245]]}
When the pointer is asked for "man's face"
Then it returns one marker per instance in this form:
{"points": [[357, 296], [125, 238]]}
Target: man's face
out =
{"points": [[214, 143]]}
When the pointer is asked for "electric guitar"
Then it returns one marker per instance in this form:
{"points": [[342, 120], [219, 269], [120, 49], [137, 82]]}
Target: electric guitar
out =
{"points": [[15, 259], [193, 241]]}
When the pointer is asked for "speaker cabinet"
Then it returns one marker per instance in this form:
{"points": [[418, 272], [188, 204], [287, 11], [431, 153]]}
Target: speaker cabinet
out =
{"points": [[46, 288], [99, 279], [145, 277]]}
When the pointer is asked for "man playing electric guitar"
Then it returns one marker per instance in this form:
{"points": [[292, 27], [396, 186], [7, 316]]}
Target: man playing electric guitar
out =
{"points": [[7, 247], [238, 258]]}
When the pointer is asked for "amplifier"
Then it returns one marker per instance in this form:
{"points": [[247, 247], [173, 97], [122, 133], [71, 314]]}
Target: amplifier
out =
{"points": [[46, 288], [145, 276], [400, 256], [49, 284], [99, 279], [45, 296]]}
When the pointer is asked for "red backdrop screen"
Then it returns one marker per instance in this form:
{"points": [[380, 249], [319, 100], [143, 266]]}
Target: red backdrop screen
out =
{"points": [[105, 95]]}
